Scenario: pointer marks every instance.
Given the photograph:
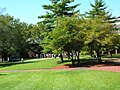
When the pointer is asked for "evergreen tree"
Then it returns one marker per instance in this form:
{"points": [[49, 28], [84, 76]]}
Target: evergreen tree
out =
{"points": [[57, 8], [98, 10]]}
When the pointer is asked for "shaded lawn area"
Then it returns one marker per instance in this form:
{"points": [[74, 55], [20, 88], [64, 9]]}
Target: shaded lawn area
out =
{"points": [[29, 64], [40, 64], [60, 80], [113, 56]]}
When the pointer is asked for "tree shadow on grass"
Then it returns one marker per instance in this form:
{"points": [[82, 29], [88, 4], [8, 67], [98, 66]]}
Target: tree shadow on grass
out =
{"points": [[7, 64], [90, 63], [65, 61], [113, 56], [2, 74]]}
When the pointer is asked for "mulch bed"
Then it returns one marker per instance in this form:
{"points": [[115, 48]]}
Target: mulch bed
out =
{"points": [[113, 66], [95, 67]]}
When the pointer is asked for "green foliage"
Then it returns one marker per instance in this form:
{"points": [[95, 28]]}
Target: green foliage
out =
{"points": [[57, 8], [72, 33], [98, 10], [67, 35], [116, 43], [98, 31], [34, 37], [99, 34], [6, 46], [14, 37], [20, 37]]}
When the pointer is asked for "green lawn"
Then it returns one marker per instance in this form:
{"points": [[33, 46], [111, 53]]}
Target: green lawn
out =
{"points": [[60, 80], [113, 56], [29, 64], [55, 80], [39, 63]]}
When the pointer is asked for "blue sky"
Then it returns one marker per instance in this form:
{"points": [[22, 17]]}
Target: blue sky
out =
{"points": [[29, 10]]}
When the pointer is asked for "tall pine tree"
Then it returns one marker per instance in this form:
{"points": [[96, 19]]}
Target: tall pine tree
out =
{"points": [[98, 10], [55, 9]]}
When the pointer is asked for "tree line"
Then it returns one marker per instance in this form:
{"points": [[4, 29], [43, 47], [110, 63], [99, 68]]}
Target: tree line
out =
{"points": [[62, 29], [17, 38], [69, 31]]}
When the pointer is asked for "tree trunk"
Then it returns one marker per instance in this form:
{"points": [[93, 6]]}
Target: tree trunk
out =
{"points": [[61, 57], [2, 57], [68, 55], [39, 55], [108, 52], [78, 57], [102, 52], [116, 51], [91, 53], [111, 53], [5, 58], [99, 56], [75, 55], [73, 63]]}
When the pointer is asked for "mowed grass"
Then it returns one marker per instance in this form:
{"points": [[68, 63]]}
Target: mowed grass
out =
{"points": [[81, 79], [60, 80], [30, 64], [40, 63]]}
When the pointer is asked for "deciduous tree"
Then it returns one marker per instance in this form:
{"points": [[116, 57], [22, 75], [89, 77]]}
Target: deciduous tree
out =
{"points": [[67, 36], [98, 34]]}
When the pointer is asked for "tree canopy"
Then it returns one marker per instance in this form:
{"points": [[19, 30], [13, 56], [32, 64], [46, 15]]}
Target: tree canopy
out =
{"points": [[67, 36]]}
